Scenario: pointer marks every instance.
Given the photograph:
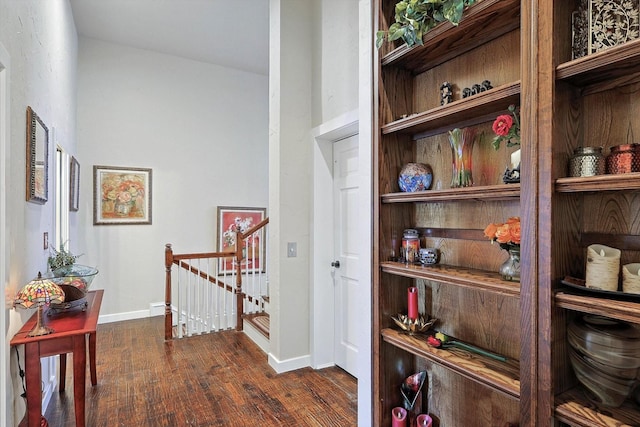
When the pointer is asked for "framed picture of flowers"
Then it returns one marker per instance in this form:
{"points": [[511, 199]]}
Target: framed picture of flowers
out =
{"points": [[121, 195], [243, 219]]}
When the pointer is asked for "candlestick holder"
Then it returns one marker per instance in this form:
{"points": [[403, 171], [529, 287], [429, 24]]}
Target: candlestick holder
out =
{"points": [[414, 326]]}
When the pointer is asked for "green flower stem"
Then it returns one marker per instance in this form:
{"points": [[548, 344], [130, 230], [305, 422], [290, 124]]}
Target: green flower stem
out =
{"points": [[474, 349]]}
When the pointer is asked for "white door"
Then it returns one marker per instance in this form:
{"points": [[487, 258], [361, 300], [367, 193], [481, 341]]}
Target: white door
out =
{"points": [[346, 285]]}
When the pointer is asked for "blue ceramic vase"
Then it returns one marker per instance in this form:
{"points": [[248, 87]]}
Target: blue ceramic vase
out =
{"points": [[415, 177]]}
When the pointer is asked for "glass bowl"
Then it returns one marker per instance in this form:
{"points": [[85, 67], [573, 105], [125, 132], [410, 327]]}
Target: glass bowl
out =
{"points": [[76, 281]]}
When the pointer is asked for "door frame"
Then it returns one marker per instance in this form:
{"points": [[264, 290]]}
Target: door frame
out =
{"points": [[4, 252], [322, 244]]}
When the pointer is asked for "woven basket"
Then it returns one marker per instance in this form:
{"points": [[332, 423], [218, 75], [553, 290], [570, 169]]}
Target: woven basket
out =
{"points": [[603, 268]]}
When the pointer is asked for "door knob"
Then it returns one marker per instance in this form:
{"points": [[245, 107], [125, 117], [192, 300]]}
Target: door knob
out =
{"points": [[335, 264]]}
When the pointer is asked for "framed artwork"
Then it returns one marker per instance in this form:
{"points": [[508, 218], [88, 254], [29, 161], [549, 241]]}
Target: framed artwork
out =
{"points": [[37, 159], [121, 195], [74, 185], [232, 219]]}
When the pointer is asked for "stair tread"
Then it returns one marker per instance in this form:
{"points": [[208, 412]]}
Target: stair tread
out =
{"points": [[260, 321]]}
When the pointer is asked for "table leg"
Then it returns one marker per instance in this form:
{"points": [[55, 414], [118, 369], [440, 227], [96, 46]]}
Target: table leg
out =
{"points": [[34, 391], [79, 376], [92, 358], [63, 372]]}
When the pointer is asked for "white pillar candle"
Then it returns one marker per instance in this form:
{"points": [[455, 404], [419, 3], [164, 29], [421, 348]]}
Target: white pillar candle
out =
{"points": [[515, 159], [603, 267], [631, 278]]}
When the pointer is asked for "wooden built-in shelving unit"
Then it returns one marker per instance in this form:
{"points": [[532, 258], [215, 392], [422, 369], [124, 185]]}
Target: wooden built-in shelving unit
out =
{"points": [[524, 49]]}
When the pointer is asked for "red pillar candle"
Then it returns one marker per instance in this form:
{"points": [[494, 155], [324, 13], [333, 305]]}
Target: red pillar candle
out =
{"points": [[424, 420], [398, 417], [413, 303]]}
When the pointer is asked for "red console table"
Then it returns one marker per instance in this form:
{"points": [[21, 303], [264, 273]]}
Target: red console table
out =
{"points": [[70, 336]]}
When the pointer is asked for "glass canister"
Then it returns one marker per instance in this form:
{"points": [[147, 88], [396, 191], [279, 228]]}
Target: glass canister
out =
{"points": [[624, 158], [410, 245], [586, 161]]}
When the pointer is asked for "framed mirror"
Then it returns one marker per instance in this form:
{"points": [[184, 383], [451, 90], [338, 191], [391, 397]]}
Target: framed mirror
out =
{"points": [[37, 159]]}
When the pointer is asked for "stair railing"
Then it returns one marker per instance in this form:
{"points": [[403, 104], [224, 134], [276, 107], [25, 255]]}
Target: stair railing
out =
{"points": [[200, 291]]}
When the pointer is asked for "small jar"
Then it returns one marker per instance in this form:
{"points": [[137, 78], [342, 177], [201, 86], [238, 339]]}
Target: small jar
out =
{"points": [[624, 158], [410, 246], [586, 161]]}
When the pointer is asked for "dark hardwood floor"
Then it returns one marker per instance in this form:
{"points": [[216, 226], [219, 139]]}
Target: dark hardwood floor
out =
{"points": [[220, 379]]}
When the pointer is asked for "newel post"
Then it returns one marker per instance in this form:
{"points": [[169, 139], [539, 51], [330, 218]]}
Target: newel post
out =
{"points": [[238, 290], [168, 314]]}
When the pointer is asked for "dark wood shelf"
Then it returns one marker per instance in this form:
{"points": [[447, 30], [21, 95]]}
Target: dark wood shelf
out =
{"points": [[573, 408], [457, 276], [626, 182], [464, 112], [481, 23], [628, 311], [501, 376], [485, 192], [613, 64]]}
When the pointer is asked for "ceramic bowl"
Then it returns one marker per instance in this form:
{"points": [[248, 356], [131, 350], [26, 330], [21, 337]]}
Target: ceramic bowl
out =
{"points": [[603, 388], [605, 356]]}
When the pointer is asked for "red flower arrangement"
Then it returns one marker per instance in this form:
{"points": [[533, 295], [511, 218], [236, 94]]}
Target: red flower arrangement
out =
{"points": [[507, 234], [507, 128]]}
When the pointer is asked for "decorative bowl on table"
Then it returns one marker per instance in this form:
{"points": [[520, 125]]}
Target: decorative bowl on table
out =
{"points": [[605, 355], [75, 282]]}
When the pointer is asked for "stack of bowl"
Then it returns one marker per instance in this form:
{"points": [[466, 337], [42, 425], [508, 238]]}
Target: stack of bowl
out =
{"points": [[605, 355]]}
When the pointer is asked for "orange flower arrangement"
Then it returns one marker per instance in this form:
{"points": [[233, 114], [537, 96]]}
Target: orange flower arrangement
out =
{"points": [[507, 234]]}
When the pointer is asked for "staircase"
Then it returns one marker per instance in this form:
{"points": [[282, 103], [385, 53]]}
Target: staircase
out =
{"points": [[257, 326], [215, 291]]}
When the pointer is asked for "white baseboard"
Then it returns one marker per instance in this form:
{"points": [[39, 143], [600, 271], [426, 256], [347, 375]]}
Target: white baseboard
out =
{"points": [[155, 309], [290, 364], [117, 317], [255, 336]]}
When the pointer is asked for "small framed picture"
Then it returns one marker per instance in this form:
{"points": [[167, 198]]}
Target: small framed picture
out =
{"points": [[121, 195], [74, 185], [232, 219]]}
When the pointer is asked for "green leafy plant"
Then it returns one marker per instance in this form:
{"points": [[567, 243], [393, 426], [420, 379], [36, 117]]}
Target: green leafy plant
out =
{"points": [[415, 17], [61, 258]]}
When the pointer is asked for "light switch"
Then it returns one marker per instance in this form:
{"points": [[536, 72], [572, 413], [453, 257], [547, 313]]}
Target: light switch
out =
{"points": [[292, 249], [45, 240]]}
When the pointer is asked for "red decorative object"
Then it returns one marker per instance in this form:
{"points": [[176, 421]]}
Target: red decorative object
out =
{"points": [[412, 303], [399, 417]]}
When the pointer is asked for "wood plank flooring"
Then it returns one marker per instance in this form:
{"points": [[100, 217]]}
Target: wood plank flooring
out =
{"points": [[220, 379]]}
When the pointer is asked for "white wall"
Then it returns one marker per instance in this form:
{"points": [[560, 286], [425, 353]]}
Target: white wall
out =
{"points": [[201, 128], [41, 42], [330, 55], [335, 89], [289, 180]]}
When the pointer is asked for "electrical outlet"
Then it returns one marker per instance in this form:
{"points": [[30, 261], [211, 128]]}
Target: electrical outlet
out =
{"points": [[292, 249], [45, 240]]}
